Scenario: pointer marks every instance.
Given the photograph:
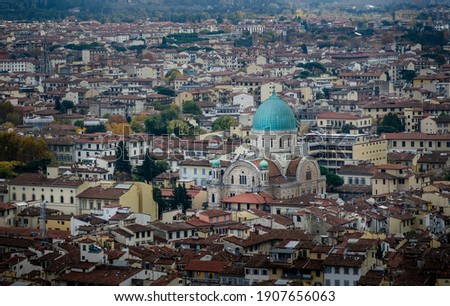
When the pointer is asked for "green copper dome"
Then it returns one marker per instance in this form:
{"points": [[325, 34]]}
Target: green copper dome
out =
{"points": [[215, 163], [274, 115], [263, 165]]}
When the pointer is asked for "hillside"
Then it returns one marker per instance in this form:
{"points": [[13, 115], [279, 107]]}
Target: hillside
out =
{"points": [[130, 10]]}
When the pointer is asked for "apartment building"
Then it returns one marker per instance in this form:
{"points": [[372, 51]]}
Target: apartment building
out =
{"points": [[336, 121], [417, 141], [393, 178]]}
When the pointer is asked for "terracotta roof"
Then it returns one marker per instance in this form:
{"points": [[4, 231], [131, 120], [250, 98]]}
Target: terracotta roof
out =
{"points": [[214, 213], [102, 193], [338, 260], [333, 115], [34, 179], [170, 227], [292, 168], [434, 158], [206, 266], [367, 170], [401, 156], [273, 169], [103, 276]]}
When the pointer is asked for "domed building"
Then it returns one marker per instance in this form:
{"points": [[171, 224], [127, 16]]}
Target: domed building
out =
{"points": [[276, 169]]}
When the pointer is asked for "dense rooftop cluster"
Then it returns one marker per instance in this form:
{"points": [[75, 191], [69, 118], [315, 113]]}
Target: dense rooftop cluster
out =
{"points": [[303, 149]]}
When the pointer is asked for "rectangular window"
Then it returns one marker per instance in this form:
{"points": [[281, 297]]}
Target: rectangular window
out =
{"points": [[195, 171], [337, 270], [337, 282]]}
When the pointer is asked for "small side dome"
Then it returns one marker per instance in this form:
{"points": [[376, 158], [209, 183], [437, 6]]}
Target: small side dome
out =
{"points": [[215, 163], [263, 165]]}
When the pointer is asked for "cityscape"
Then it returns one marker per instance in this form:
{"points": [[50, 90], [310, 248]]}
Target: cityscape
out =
{"points": [[224, 143]]}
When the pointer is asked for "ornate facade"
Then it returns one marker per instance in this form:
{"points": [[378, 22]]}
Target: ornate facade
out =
{"points": [[277, 168]]}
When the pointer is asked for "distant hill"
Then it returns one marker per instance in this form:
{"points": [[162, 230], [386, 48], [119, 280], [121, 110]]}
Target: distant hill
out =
{"points": [[130, 10]]}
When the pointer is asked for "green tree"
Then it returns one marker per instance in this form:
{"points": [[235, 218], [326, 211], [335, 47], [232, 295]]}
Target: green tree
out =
{"points": [[346, 128], [172, 113], [155, 125], [177, 127], [158, 198], [333, 180], [148, 168], [181, 198], [165, 91], [190, 107], [223, 123], [390, 124], [122, 169], [407, 75]]}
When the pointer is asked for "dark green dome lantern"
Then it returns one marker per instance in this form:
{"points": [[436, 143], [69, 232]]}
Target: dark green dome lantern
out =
{"points": [[274, 115]]}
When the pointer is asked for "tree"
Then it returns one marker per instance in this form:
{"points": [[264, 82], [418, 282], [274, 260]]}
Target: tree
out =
{"points": [[154, 125], [148, 168], [63, 106], [158, 198], [177, 127], [333, 180], [165, 91], [181, 198], [304, 49], [223, 123], [190, 107], [390, 124], [118, 125], [346, 128], [407, 75], [123, 165]]}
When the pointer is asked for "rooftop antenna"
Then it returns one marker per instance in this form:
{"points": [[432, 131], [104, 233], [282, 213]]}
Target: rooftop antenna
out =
{"points": [[43, 220]]}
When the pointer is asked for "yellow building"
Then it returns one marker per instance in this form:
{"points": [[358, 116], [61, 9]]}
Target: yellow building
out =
{"points": [[135, 195], [401, 224], [59, 193], [393, 178], [417, 141], [58, 222], [374, 151]]}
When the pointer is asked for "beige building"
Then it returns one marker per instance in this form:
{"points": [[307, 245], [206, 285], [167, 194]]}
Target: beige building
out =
{"points": [[417, 141], [393, 178], [336, 121], [60, 193], [373, 151], [438, 125], [135, 195]]}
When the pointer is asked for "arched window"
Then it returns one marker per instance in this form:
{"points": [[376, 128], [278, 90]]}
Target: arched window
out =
{"points": [[271, 142], [71, 200], [23, 197], [14, 196], [213, 198], [33, 197], [281, 142], [51, 199], [62, 199], [232, 179], [308, 174]]}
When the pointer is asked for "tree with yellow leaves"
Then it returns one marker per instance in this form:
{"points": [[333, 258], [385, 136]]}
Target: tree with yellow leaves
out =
{"points": [[118, 125]]}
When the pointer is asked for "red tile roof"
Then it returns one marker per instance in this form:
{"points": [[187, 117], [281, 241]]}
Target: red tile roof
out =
{"points": [[206, 266]]}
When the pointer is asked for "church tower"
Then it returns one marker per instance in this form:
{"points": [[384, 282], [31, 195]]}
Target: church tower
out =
{"points": [[214, 188]]}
